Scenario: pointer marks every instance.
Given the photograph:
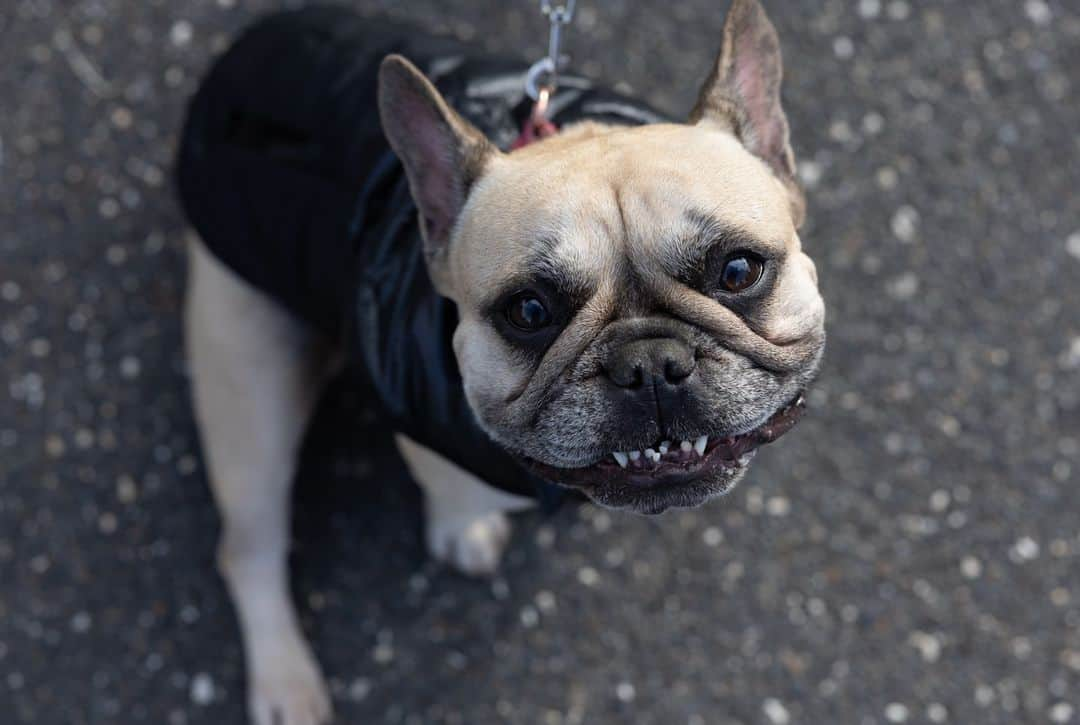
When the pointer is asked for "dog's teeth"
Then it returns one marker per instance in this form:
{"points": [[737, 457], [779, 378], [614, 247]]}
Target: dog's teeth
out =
{"points": [[657, 456], [686, 447], [665, 447], [651, 455], [700, 443], [621, 458], [635, 455]]}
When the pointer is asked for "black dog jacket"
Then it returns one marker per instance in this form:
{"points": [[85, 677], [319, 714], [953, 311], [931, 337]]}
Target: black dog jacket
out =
{"points": [[285, 173]]}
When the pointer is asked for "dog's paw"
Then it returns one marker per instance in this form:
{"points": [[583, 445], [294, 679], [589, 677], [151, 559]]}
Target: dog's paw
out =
{"points": [[474, 546], [289, 690]]}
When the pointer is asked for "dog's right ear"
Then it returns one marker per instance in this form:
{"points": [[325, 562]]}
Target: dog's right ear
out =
{"points": [[443, 154]]}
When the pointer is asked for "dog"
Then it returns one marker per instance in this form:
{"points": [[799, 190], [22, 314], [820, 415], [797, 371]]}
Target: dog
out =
{"points": [[623, 309]]}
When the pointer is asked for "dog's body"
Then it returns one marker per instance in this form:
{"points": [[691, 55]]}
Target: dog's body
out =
{"points": [[590, 301]]}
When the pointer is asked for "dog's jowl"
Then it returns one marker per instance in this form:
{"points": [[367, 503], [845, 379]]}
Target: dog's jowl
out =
{"points": [[622, 309]]}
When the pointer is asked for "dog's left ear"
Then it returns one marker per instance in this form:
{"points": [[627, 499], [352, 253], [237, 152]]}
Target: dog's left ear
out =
{"points": [[742, 94], [443, 154]]}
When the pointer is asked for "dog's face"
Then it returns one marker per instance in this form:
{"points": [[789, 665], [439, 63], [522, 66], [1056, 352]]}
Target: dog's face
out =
{"points": [[636, 311]]}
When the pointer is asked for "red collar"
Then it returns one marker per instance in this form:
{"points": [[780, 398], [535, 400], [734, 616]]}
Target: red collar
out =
{"points": [[537, 126]]}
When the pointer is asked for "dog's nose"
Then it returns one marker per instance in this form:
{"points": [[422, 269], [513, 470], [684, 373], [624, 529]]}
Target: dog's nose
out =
{"points": [[642, 362]]}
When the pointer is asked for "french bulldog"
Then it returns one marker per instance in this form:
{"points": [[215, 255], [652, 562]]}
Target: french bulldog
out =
{"points": [[633, 316]]}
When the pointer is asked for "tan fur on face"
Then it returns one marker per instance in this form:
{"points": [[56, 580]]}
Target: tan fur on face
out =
{"points": [[627, 186], [617, 198]]}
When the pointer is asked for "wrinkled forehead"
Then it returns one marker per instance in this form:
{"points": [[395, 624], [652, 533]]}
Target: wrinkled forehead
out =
{"points": [[649, 196]]}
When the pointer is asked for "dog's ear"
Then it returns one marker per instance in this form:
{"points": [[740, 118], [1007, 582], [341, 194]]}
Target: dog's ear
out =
{"points": [[443, 154], [742, 94]]}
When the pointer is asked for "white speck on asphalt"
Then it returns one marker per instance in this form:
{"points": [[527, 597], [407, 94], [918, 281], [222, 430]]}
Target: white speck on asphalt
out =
{"points": [[1025, 549], [939, 500], [869, 9], [81, 622], [936, 712], [545, 601], [904, 287], [843, 47], [1038, 12], [970, 567], [588, 576], [899, 10], [1072, 245], [905, 223], [1061, 712], [712, 536], [529, 616], [873, 123], [384, 653], [181, 32], [359, 689], [775, 711], [130, 367], [810, 173], [896, 712], [202, 689], [1070, 359], [928, 645], [778, 506]]}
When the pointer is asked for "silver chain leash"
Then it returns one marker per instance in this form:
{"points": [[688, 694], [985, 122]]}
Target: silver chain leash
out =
{"points": [[543, 76]]}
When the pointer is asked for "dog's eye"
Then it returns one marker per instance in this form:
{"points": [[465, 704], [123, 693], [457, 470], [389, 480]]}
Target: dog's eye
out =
{"points": [[741, 272], [527, 312]]}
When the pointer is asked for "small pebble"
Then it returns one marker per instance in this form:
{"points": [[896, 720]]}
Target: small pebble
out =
{"points": [[904, 287], [905, 224], [970, 567], [899, 10], [1038, 12], [529, 617], [843, 47], [1025, 549], [937, 713], [1061, 712], [1072, 245], [776, 712], [202, 689], [896, 712], [359, 689], [81, 622], [180, 33], [588, 576], [869, 9]]}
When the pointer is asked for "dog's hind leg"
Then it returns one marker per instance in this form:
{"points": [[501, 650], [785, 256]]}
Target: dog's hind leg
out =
{"points": [[256, 374], [465, 519]]}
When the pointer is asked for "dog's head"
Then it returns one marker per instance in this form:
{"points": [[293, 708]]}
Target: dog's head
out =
{"points": [[636, 311]]}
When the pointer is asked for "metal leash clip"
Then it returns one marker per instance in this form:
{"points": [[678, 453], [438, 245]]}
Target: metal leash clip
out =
{"points": [[544, 74]]}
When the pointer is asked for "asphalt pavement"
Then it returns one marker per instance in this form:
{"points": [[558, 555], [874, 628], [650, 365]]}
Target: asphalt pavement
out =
{"points": [[908, 554]]}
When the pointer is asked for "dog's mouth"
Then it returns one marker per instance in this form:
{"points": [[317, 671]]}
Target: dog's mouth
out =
{"points": [[670, 463]]}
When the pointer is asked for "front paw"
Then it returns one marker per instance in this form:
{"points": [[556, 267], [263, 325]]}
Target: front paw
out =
{"points": [[472, 545], [289, 690]]}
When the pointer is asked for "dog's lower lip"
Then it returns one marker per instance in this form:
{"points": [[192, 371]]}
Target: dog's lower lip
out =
{"points": [[726, 451]]}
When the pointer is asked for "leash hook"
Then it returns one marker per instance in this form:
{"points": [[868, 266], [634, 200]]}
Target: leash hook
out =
{"points": [[545, 72], [542, 78]]}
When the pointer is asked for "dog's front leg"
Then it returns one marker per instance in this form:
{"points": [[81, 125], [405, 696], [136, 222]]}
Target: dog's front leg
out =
{"points": [[256, 376], [466, 523]]}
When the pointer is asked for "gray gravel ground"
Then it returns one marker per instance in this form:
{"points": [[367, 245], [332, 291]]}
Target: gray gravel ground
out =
{"points": [[908, 554]]}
